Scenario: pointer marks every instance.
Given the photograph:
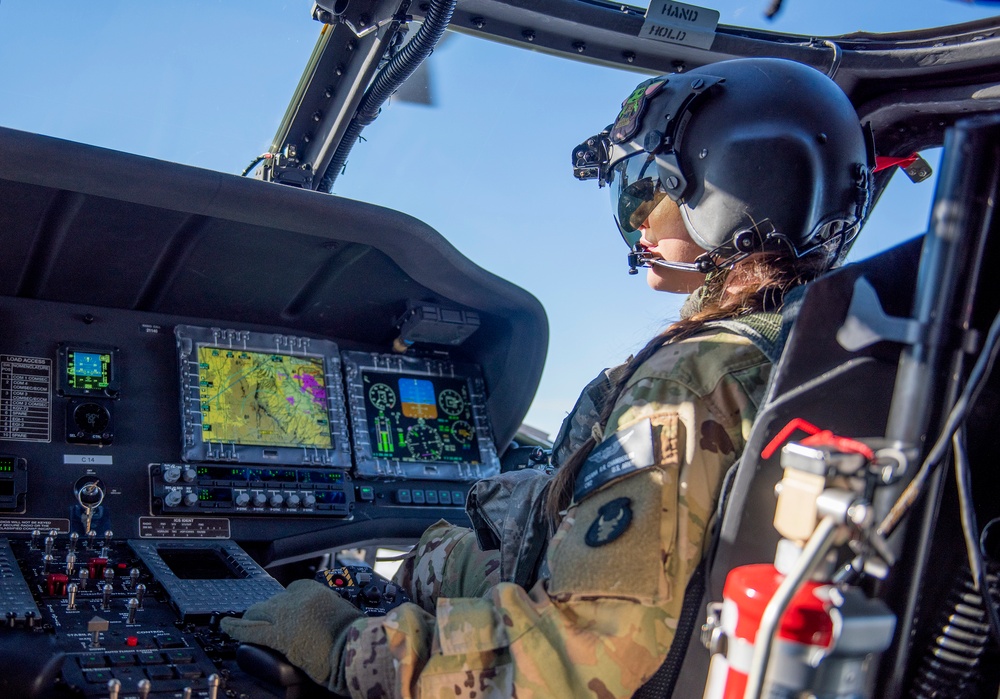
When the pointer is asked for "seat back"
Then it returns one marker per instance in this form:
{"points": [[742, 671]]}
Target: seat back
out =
{"points": [[818, 380]]}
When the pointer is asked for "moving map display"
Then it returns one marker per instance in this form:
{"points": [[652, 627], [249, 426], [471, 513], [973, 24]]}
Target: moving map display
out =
{"points": [[263, 398], [418, 418], [253, 397]]}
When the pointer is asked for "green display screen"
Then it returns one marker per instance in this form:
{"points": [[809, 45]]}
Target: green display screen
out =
{"points": [[420, 418], [88, 371]]}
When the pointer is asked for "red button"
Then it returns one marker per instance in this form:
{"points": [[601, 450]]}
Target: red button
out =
{"points": [[132, 641]]}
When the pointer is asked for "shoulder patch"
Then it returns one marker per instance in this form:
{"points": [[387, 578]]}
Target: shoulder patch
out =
{"points": [[612, 521], [624, 452]]}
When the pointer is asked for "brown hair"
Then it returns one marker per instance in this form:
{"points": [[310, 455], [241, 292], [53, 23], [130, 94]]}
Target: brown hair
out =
{"points": [[758, 283]]}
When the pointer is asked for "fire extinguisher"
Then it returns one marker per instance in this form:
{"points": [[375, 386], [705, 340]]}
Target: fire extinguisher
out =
{"points": [[804, 634]]}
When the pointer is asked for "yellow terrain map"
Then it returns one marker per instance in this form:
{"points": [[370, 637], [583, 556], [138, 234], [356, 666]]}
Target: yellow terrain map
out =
{"points": [[258, 398]]}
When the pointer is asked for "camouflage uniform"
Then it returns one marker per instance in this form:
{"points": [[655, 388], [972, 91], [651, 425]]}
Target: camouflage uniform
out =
{"points": [[602, 621]]}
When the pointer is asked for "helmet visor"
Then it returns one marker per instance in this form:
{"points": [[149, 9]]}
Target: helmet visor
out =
{"points": [[635, 192]]}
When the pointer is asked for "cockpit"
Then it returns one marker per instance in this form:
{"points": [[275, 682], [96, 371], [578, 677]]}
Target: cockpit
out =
{"points": [[216, 378]]}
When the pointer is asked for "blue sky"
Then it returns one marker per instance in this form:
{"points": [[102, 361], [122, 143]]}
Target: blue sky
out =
{"points": [[205, 82]]}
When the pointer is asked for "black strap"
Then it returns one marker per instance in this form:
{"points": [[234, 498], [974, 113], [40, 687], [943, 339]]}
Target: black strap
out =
{"points": [[661, 684]]}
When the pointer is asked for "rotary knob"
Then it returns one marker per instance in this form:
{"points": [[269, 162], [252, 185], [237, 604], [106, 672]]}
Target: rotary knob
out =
{"points": [[172, 474], [259, 499], [242, 500], [276, 500], [294, 500], [172, 498], [190, 499], [189, 475], [309, 500]]}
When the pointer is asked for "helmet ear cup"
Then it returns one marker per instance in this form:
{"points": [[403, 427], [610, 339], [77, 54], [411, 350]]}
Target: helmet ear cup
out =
{"points": [[743, 185]]}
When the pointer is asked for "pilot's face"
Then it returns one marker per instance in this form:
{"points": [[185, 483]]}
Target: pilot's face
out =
{"points": [[664, 235]]}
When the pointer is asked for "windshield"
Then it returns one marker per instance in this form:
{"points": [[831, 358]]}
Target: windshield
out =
{"points": [[487, 163]]}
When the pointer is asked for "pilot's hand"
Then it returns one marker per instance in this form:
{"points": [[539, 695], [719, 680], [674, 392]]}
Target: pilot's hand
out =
{"points": [[308, 623]]}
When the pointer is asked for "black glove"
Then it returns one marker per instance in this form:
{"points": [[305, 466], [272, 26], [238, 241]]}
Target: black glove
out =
{"points": [[308, 623]]}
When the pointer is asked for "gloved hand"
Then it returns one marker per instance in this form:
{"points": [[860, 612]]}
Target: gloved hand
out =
{"points": [[308, 623]]}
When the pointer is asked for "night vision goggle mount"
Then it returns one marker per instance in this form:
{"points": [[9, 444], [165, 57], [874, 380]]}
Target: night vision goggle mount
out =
{"points": [[592, 158]]}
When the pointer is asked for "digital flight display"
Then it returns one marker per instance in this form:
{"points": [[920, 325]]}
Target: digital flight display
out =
{"points": [[420, 418], [88, 370], [262, 398]]}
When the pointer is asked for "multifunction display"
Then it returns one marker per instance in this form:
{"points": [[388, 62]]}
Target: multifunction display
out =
{"points": [[261, 398], [88, 370], [85, 370], [418, 418]]}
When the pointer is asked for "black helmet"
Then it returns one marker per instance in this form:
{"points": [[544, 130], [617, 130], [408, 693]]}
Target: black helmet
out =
{"points": [[760, 153]]}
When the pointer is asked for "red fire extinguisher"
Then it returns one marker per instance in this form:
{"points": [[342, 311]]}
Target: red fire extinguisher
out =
{"points": [[804, 634]]}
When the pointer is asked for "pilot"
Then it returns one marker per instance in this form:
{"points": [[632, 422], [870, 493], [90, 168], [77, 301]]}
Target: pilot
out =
{"points": [[734, 183]]}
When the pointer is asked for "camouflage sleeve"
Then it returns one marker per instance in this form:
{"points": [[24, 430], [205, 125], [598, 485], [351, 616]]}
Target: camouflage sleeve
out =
{"points": [[447, 562], [578, 425], [602, 623]]}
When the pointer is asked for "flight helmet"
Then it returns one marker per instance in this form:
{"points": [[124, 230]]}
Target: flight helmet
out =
{"points": [[759, 153]]}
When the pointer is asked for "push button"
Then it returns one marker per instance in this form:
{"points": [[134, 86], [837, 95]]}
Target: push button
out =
{"points": [[403, 497], [189, 672], [181, 655], [92, 660], [118, 659], [160, 672], [169, 642], [150, 657], [98, 676], [418, 497]]}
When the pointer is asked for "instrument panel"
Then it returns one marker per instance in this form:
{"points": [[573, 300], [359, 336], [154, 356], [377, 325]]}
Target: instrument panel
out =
{"points": [[156, 427], [192, 423], [150, 466]]}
